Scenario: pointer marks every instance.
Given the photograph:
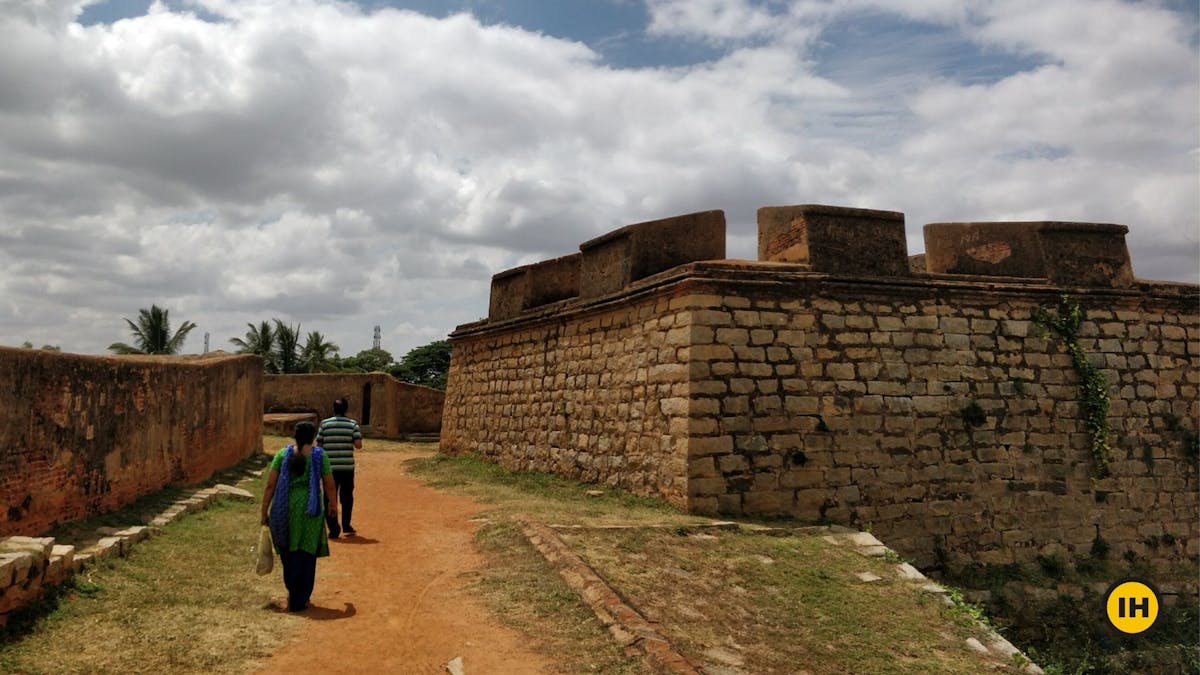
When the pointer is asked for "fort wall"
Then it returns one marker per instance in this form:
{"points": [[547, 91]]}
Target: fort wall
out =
{"points": [[383, 406], [931, 407], [83, 435]]}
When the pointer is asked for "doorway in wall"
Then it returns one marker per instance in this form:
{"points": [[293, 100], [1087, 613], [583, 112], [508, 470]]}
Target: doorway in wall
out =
{"points": [[366, 416]]}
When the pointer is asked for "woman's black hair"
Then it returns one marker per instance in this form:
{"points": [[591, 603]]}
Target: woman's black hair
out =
{"points": [[304, 434]]}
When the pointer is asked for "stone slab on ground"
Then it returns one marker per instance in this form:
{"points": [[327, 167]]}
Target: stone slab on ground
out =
{"points": [[234, 492]]}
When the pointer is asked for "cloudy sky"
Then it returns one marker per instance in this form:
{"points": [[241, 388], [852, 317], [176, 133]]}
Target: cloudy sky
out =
{"points": [[349, 164]]}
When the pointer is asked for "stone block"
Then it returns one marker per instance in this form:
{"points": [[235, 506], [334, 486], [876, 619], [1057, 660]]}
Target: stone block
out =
{"points": [[834, 239], [40, 545], [521, 288], [57, 570], [65, 552], [614, 260], [767, 502], [134, 534], [1068, 254], [234, 492], [14, 567], [16, 596], [107, 547]]}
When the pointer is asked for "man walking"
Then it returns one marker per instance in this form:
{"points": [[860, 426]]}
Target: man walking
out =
{"points": [[340, 436]]}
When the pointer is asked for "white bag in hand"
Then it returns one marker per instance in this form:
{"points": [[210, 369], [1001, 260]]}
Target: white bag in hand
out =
{"points": [[266, 555]]}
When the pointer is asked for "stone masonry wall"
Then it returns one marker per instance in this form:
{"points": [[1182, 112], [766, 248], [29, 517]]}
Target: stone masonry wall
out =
{"points": [[835, 381], [600, 395], [82, 435], [843, 401]]}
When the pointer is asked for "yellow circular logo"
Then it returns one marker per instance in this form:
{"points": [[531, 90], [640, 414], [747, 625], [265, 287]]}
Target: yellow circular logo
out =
{"points": [[1131, 606]]}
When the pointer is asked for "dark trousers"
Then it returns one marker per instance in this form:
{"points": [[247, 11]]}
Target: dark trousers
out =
{"points": [[343, 483], [299, 573]]}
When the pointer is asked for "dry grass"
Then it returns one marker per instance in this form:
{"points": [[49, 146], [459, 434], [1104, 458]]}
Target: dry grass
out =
{"points": [[524, 592], [766, 604], [184, 602], [745, 603]]}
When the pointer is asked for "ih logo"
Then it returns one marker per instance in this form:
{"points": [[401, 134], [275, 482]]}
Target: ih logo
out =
{"points": [[1131, 606]]}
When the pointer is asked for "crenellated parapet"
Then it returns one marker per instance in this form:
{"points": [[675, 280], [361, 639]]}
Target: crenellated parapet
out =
{"points": [[609, 263], [823, 239], [1067, 254], [834, 239]]}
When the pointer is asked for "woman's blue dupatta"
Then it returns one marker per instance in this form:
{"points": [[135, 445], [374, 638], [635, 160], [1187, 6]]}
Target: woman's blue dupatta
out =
{"points": [[278, 517]]}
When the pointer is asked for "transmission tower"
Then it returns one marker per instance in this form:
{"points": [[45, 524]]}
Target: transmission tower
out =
{"points": [[376, 337]]}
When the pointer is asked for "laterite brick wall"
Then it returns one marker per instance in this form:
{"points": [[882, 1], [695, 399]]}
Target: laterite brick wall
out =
{"points": [[82, 435]]}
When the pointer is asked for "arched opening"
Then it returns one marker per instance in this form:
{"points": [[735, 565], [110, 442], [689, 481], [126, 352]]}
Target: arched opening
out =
{"points": [[366, 411]]}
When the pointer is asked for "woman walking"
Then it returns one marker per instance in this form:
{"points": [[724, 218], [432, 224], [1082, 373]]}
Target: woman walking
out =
{"points": [[292, 508]]}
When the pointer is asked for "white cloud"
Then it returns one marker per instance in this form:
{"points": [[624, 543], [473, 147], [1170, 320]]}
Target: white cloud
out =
{"points": [[341, 168], [715, 20]]}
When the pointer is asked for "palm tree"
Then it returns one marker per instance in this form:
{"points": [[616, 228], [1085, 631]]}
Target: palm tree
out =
{"points": [[317, 353], [287, 348], [152, 334], [260, 341]]}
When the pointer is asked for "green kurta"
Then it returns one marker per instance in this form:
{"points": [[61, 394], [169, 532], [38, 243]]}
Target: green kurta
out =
{"points": [[305, 532]]}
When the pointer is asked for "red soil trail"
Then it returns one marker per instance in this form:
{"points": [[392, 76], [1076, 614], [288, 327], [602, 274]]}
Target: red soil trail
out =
{"points": [[394, 599]]}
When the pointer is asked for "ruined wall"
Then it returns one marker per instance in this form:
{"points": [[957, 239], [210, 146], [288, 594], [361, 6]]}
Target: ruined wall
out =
{"points": [[82, 435], [834, 381], [395, 408]]}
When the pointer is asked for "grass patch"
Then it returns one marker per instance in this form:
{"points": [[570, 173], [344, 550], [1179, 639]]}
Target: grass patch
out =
{"points": [[524, 592], [187, 601], [547, 497], [764, 604]]}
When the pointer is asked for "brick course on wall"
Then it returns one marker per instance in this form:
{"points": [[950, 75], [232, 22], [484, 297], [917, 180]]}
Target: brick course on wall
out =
{"points": [[772, 389], [83, 435], [397, 408]]}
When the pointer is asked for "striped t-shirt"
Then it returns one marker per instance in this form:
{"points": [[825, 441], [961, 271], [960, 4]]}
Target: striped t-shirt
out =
{"points": [[337, 436]]}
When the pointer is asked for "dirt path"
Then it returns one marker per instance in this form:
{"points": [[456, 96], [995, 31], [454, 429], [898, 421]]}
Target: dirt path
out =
{"points": [[394, 599]]}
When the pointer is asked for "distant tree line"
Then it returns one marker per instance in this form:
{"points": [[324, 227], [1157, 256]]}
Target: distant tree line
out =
{"points": [[279, 345], [285, 349]]}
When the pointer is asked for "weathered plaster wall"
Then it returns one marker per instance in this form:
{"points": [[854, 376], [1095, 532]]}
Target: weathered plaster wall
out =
{"points": [[396, 408], [82, 435], [773, 388]]}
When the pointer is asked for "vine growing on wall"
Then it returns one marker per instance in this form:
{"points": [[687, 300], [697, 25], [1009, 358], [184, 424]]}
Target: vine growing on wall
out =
{"points": [[1093, 387]]}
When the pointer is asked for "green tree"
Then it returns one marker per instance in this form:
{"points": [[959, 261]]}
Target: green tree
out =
{"points": [[287, 348], [152, 334], [427, 365], [318, 354], [259, 340], [367, 361]]}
